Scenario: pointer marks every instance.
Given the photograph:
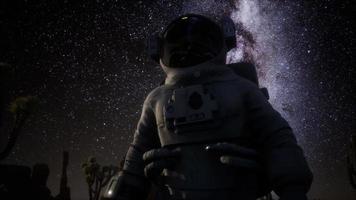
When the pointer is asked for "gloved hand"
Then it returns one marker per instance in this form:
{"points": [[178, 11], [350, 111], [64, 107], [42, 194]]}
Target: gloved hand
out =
{"points": [[158, 159], [236, 156], [243, 159]]}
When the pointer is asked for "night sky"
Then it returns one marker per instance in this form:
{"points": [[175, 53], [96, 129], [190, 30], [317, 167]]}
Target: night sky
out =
{"points": [[87, 64]]}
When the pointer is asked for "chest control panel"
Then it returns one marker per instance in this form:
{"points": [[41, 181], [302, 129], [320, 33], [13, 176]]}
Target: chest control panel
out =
{"points": [[189, 106]]}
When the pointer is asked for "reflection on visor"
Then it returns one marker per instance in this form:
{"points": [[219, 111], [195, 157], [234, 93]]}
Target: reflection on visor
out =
{"points": [[194, 29], [191, 40]]}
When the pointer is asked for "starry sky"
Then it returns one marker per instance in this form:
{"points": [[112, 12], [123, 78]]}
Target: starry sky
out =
{"points": [[86, 62]]}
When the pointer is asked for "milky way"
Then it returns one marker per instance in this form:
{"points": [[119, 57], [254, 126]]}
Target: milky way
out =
{"points": [[87, 63]]}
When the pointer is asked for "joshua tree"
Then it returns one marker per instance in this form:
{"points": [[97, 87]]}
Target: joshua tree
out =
{"points": [[64, 190], [96, 176], [7, 73], [21, 108]]}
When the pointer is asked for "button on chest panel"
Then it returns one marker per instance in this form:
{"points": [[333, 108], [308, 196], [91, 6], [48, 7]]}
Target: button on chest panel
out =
{"points": [[199, 113]]}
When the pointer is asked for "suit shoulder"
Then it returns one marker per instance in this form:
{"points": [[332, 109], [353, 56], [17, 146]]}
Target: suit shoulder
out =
{"points": [[245, 85], [152, 96]]}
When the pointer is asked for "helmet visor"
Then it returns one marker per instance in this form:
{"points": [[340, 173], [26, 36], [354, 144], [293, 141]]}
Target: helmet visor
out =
{"points": [[194, 29]]}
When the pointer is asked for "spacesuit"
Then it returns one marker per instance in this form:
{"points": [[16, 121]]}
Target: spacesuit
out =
{"points": [[209, 133]]}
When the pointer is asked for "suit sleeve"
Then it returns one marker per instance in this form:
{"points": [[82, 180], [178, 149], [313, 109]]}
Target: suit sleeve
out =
{"points": [[286, 167], [133, 183], [145, 139]]}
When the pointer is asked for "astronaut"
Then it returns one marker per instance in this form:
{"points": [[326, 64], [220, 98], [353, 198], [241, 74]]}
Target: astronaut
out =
{"points": [[208, 132]]}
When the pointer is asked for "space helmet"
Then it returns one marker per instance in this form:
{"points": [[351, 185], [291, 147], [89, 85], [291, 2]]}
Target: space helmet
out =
{"points": [[192, 39]]}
